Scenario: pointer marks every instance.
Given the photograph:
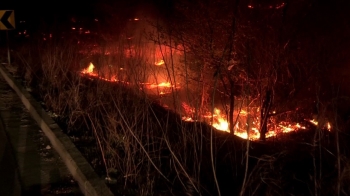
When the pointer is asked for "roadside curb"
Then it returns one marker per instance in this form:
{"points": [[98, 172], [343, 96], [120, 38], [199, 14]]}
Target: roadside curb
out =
{"points": [[89, 182]]}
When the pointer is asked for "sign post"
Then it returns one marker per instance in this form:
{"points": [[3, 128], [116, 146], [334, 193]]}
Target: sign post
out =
{"points": [[7, 22]]}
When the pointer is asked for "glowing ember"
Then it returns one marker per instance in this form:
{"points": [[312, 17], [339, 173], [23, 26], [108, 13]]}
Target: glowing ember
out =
{"points": [[286, 129], [329, 127], [188, 119], [313, 121], [159, 63], [322, 125], [280, 6]]}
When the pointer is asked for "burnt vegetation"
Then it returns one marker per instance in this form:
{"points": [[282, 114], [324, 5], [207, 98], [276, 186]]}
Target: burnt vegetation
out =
{"points": [[280, 61]]}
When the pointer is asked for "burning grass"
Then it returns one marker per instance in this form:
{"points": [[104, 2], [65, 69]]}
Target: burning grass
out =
{"points": [[219, 119], [120, 125]]}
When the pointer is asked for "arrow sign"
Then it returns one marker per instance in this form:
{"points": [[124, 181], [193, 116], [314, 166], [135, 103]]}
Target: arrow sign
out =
{"points": [[7, 19]]}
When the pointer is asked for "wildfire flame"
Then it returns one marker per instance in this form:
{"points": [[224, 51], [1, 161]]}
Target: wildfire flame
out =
{"points": [[250, 131], [163, 84], [329, 127], [89, 70], [218, 119], [313, 121], [325, 126], [220, 124], [159, 63]]}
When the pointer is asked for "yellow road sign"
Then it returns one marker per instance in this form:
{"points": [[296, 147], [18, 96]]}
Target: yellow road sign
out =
{"points": [[7, 20]]}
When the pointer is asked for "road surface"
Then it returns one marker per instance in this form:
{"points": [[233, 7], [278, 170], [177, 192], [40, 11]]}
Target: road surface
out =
{"points": [[28, 163]]}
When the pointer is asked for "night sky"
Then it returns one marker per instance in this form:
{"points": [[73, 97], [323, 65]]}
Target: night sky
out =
{"points": [[320, 16], [38, 14], [47, 9]]}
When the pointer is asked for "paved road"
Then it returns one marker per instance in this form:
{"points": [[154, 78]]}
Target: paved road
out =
{"points": [[9, 177], [28, 164]]}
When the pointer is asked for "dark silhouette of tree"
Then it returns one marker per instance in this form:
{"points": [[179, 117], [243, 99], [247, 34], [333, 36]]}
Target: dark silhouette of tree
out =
{"points": [[236, 40]]}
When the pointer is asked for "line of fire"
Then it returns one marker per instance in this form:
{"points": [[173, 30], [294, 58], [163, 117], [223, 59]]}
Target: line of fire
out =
{"points": [[214, 97], [167, 76]]}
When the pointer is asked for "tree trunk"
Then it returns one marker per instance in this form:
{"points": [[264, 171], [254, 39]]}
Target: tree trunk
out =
{"points": [[232, 107], [265, 109]]}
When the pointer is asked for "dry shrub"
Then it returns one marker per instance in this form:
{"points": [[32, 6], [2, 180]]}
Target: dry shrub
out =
{"points": [[145, 149]]}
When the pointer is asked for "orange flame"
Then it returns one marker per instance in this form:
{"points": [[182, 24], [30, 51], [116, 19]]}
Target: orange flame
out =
{"points": [[159, 63], [248, 130], [324, 126], [220, 124], [163, 84], [329, 127], [313, 121], [89, 70], [218, 120]]}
